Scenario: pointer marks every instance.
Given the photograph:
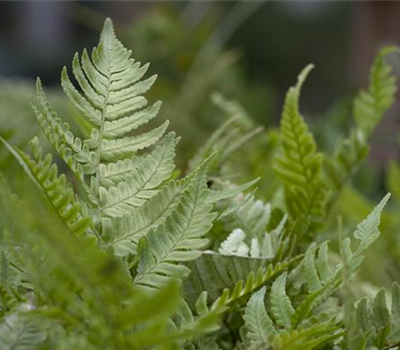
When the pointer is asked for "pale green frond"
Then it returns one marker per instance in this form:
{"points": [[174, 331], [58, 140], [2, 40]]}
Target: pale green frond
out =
{"points": [[124, 125], [232, 244], [368, 230], [149, 170], [257, 322], [141, 177], [213, 272], [44, 174], [368, 110], [281, 306], [179, 238], [124, 147], [107, 93], [310, 270], [252, 217], [125, 232], [109, 96], [110, 86], [76, 154], [19, 333]]}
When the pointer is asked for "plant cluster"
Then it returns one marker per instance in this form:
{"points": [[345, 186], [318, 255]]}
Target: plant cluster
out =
{"points": [[122, 251]]}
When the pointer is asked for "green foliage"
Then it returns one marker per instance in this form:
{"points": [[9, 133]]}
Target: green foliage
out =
{"points": [[111, 248], [299, 166], [377, 322], [368, 109], [287, 326]]}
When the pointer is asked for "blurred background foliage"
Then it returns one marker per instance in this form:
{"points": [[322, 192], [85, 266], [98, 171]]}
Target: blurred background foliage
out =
{"points": [[222, 60]]}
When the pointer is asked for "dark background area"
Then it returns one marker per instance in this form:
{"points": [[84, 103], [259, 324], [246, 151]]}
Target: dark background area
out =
{"points": [[276, 38]]}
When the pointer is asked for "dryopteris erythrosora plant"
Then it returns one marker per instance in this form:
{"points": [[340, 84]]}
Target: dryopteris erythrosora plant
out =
{"points": [[103, 270]]}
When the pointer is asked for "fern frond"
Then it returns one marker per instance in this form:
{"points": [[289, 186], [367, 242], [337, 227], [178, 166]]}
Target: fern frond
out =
{"points": [[234, 244], [264, 246], [124, 233], [252, 216], [136, 188], [310, 270], [370, 105], [65, 266], [368, 110], [179, 239], [299, 165], [44, 174], [148, 171], [111, 92], [368, 230], [72, 150], [240, 276], [378, 322], [281, 306], [284, 333], [260, 328], [108, 96]]}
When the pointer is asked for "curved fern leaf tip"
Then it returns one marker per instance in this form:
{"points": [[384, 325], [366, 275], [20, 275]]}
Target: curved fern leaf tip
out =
{"points": [[386, 198], [303, 75]]}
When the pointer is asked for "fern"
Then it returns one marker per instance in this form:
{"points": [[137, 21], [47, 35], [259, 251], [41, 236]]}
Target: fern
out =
{"points": [[109, 98], [281, 306], [288, 326], [121, 252], [282, 334], [378, 321], [299, 165], [259, 325], [370, 106], [178, 239], [368, 109], [44, 174]]}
